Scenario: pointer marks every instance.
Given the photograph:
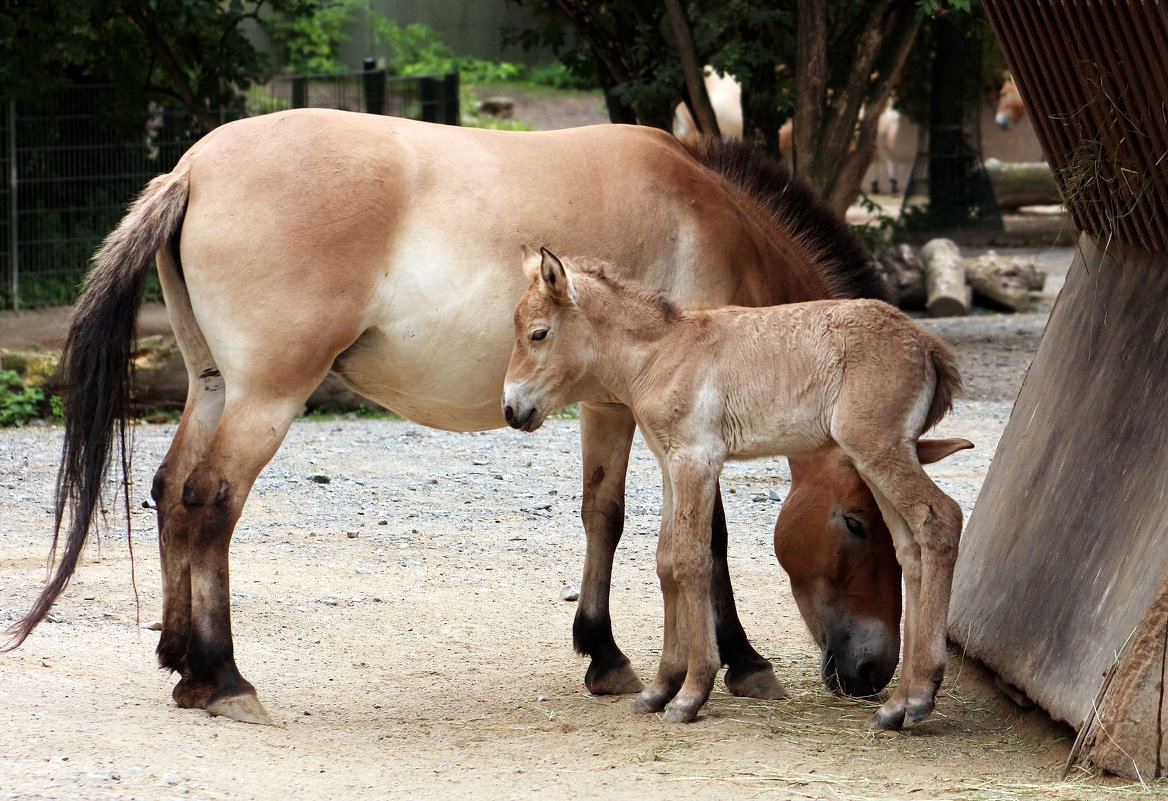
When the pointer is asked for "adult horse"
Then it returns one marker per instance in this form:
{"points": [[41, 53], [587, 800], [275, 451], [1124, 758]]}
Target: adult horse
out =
{"points": [[1011, 109], [387, 252]]}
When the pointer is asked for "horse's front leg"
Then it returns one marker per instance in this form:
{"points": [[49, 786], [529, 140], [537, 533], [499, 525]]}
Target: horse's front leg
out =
{"points": [[694, 481], [606, 432], [748, 674]]}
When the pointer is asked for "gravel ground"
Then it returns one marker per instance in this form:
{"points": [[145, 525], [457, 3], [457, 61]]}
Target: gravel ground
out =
{"points": [[403, 622]]}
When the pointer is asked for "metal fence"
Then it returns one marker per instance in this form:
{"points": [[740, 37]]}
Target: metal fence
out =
{"points": [[68, 171]]}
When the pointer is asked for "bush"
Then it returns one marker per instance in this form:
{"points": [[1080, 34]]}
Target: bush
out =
{"points": [[18, 403]]}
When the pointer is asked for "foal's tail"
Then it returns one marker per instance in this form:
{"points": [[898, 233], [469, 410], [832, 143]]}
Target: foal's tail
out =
{"points": [[948, 382], [99, 373]]}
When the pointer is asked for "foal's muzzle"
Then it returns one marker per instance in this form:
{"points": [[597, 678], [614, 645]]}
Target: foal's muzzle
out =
{"points": [[518, 413]]}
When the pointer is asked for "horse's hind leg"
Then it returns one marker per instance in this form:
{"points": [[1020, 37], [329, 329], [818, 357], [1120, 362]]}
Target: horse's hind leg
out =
{"points": [[204, 404], [249, 431], [200, 415]]}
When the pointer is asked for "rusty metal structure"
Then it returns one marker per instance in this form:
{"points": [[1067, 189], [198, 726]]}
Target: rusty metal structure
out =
{"points": [[1062, 582]]}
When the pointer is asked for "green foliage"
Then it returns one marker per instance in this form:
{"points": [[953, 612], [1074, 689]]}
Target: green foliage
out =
{"points": [[198, 52], [309, 42], [878, 232], [334, 411], [18, 403]]}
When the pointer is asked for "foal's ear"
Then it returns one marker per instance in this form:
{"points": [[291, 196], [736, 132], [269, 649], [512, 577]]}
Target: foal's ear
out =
{"points": [[934, 450], [555, 279]]}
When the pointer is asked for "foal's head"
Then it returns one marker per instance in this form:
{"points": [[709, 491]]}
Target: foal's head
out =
{"points": [[551, 351], [838, 553]]}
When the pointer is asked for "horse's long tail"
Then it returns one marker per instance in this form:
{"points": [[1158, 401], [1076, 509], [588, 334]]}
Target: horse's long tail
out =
{"points": [[99, 372], [948, 382]]}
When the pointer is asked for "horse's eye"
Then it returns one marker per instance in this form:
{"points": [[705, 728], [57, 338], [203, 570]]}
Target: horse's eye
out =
{"points": [[538, 334], [855, 526]]}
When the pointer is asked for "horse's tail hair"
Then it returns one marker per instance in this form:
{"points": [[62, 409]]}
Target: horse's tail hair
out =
{"points": [[99, 374], [948, 383]]}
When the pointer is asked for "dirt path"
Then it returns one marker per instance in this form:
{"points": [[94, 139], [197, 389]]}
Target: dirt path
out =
{"points": [[403, 624]]}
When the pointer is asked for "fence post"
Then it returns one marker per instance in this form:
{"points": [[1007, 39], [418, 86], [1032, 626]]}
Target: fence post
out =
{"points": [[373, 82], [14, 234], [450, 106], [439, 98], [299, 91]]}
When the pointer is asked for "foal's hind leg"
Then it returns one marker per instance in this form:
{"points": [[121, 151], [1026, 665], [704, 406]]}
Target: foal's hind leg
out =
{"points": [[926, 527]]}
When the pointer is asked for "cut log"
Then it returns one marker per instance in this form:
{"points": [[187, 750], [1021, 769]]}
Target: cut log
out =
{"points": [[1003, 283], [904, 274], [1022, 183], [946, 292]]}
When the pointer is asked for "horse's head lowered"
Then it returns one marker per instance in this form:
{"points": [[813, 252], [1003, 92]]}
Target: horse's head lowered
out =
{"points": [[838, 553], [548, 359]]}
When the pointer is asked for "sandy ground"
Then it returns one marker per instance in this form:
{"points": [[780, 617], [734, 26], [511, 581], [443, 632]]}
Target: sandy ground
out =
{"points": [[404, 625]]}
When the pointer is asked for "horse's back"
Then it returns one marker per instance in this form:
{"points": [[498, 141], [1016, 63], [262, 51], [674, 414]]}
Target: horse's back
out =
{"points": [[388, 246]]}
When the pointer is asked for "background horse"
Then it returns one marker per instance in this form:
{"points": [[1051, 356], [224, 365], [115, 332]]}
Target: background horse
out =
{"points": [[1011, 109], [384, 250], [725, 95], [707, 384]]}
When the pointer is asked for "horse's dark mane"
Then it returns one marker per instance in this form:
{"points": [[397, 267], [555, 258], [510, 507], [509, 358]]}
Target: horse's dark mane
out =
{"points": [[843, 261]]}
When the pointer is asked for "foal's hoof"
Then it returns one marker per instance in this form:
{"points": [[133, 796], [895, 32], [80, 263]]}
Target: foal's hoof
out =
{"points": [[681, 712], [916, 711], [649, 702], [762, 684], [889, 717], [246, 708], [618, 679]]}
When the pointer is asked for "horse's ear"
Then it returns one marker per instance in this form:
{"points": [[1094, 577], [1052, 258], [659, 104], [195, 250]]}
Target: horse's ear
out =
{"points": [[555, 278], [531, 263], [934, 450]]}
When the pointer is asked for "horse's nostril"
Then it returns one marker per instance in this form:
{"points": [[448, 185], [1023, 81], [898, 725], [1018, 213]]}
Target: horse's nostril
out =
{"points": [[508, 413]]}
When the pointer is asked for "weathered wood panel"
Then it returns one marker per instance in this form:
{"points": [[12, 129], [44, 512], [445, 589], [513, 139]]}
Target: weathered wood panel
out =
{"points": [[1068, 542]]}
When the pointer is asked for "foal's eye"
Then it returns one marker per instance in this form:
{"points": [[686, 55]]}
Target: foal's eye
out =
{"points": [[538, 334], [855, 525]]}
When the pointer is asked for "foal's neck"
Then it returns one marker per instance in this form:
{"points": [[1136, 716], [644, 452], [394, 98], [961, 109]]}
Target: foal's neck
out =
{"points": [[630, 326]]}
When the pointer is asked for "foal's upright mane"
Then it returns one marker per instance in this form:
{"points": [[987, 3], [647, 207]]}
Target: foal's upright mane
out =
{"points": [[842, 260]]}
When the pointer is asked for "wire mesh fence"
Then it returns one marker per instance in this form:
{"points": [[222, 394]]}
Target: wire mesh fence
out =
{"points": [[69, 167]]}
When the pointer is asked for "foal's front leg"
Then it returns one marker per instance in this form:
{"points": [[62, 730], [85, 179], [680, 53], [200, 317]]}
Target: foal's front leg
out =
{"points": [[694, 478]]}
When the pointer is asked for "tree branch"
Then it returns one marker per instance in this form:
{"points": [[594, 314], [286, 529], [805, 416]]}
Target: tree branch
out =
{"points": [[158, 46], [699, 98]]}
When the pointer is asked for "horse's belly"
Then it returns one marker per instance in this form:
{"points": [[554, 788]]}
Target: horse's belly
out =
{"points": [[438, 348]]}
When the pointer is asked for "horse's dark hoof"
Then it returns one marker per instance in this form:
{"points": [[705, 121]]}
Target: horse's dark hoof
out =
{"points": [[619, 679], [190, 694], [762, 684]]}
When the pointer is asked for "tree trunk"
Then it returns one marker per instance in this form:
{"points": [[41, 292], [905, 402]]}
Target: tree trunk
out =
{"points": [[828, 152], [695, 84]]}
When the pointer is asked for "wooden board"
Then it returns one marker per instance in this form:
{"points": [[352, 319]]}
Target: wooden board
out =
{"points": [[1068, 543]]}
